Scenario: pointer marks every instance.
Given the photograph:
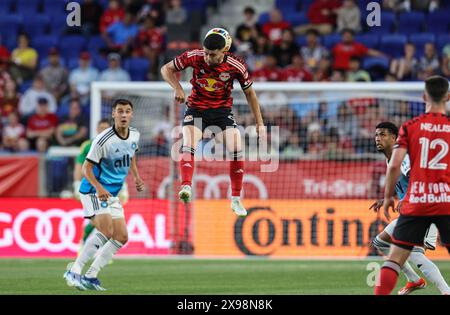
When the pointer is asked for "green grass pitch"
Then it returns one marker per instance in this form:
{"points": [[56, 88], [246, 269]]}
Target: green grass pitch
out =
{"points": [[200, 276]]}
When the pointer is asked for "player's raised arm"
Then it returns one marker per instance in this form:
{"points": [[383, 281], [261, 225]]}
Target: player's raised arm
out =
{"points": [[168, 73]]}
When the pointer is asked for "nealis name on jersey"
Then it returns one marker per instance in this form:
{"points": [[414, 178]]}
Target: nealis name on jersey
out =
{"points": [[434, 128]]}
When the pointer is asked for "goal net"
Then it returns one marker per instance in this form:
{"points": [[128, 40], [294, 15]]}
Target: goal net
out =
{"points": [[307, 189]]}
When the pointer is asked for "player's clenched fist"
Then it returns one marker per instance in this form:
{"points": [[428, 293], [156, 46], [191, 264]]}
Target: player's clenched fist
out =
{"points": [[179, 95], [139, 184], [262, 132]]}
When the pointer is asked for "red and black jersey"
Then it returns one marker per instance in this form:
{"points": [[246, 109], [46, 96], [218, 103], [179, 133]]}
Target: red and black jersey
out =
{"points": [[212, 86], [427, 140]]}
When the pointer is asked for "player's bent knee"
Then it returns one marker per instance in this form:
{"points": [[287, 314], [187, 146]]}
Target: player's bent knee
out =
{"points": [[123, 238], [385, 237]]}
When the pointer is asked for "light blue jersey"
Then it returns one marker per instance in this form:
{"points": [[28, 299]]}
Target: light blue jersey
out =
{"points": [[401, 187], [112, 157]]}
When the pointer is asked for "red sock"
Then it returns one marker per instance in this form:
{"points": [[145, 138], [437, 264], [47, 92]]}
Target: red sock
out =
{"points": [[388, 280], [187, 167], [236, 177]]}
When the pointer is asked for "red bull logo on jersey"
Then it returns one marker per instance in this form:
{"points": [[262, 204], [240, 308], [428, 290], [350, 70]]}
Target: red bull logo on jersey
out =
{"points": [[210, 84]]}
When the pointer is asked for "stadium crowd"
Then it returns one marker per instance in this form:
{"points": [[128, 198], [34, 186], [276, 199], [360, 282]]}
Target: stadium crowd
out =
{"points": [[45, 74]]}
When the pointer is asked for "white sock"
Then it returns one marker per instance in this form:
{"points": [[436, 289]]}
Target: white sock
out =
{"points": [[410, 273], [385, 247], [104, 256], [430, 271], [91, 246], [235, 198]]}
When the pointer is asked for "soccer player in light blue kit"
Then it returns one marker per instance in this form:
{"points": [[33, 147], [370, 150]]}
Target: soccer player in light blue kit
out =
{"points": [[385, 136], [111, 156]]}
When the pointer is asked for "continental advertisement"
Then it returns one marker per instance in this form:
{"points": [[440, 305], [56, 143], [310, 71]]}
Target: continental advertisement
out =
{"points": [[294, 228]]}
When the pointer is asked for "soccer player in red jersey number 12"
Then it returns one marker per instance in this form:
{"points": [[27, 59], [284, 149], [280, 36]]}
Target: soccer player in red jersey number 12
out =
{"points": [[210, 104], [426, 139]]}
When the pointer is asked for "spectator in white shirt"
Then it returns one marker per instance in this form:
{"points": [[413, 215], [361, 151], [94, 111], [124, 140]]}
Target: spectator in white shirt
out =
{"points": [[28, 102], [114, 71], [14, 135], [80, 79]]}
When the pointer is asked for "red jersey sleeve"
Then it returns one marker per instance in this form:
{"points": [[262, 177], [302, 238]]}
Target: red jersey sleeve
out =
{"points": [[361, 49], [242, 74], [186, 59], [402, 139]]}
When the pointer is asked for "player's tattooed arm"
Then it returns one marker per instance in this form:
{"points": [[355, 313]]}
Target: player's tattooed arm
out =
{"points": [[88, 172], [137, 179]]}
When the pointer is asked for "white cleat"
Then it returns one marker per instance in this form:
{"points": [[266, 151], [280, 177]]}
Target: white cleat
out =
{"points": [[238, 208], [185, 193]]}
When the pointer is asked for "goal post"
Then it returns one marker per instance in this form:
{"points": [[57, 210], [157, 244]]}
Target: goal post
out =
{"points": [[324, 169]]}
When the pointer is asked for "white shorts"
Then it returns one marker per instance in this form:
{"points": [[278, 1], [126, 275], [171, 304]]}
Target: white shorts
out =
{"points": [[430, 239], [93, 206]]}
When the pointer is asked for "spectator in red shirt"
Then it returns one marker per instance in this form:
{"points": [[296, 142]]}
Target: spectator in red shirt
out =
{"points": [[274, 28], [322, 17], [4, 52], [112, 14], [296, 72], [41, 127], [269, 72], [149, 44], [348, 48]]}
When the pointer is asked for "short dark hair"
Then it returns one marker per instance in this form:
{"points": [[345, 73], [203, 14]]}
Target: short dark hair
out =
{"points": [[312, 31], [104, 121], [393, 129], [249, 10], [348, 30], [214, 41], [437, 88], [121, 101]]}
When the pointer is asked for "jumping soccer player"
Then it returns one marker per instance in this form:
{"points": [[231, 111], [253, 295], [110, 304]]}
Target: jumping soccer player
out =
{"points": [[210, 105], [426, 139], [385, 135], [78, 176], [111, 156]]}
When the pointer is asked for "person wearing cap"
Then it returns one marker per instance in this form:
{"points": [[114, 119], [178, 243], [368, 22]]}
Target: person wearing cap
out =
{"points": [[80, 78], [55, 75], [41, 126], [114, 72], [29, 100]]}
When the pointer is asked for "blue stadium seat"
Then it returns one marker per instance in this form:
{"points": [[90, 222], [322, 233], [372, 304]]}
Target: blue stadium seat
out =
{"points": [[95, 44], [45, 61], [35, 25], [26, 7], [5, 7], [138, 68], [99, 62], [58, 24], [296, 18], [72, 64], [441, 41], [300, 40], [410, 22], [420, 39], [10, 24], [371, 62], [287, 6], [43, 42], [70, 46], [393, 44], [54, 6], [263, 18], [387, 23], [438, 22], [330, 40], [369, 40]]}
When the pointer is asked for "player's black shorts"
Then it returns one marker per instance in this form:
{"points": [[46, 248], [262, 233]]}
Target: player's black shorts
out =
{"points": [[220, 117], [410, 231]]}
